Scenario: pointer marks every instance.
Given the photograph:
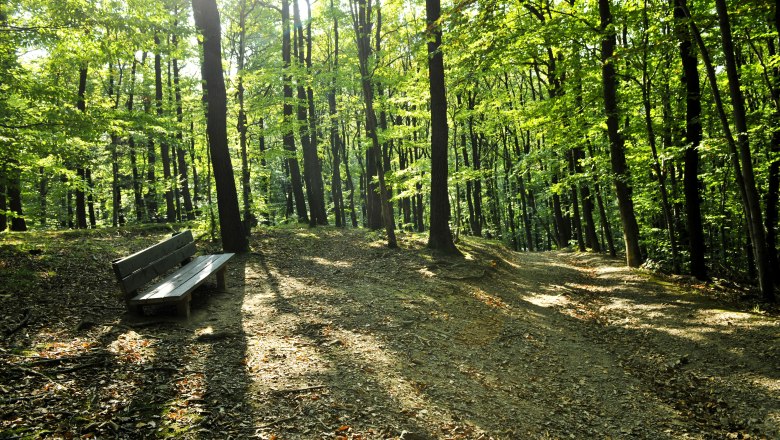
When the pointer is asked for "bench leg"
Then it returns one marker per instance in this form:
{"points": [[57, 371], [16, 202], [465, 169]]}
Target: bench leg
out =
{"points": [[183, 308], [221, 285]]}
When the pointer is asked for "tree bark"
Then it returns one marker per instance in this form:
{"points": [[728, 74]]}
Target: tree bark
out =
{"points": [[14, 189], [753, 206], [165, 156], [362, 22], [335, 139], [183, 175], [288, 137], [693, 134], [81, 105], [246, 191], [206, 15], [439, 234], [617, 143]]}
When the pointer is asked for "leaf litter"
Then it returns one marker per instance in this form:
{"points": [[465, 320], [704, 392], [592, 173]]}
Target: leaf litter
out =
{"points": [[325, 333]]}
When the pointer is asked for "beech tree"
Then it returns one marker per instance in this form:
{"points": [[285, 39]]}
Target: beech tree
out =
{"points": [[206, 15]]}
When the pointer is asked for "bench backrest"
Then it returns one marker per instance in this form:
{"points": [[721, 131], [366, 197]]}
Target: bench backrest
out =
{"points": [[138, 269]]}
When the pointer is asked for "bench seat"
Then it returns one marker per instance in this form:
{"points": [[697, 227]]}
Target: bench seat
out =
{"points": [[139, 269]]}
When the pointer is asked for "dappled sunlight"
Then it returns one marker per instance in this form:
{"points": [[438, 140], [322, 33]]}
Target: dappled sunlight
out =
{"points": [[330, 263], [133, 348], [546, 300]]}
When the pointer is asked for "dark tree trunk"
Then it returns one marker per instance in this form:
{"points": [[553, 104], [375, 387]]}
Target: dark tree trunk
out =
{"points": [[576, 220], [317, 202], [362, 24], [234, 238], [165, 156], [3, 200], [335, 139], [81, 207], [43, 192], [183, 175], [137, 193], [752, 205], [773, 186], [246, 191], [616, 141], [439, 235], [349, 184], [693, 135], [90, 197], [81, 201], [288, 138], [476, 165], [14, 189]]}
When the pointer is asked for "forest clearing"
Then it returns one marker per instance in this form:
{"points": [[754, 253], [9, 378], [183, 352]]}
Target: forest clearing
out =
{"points": [[327, 333]]}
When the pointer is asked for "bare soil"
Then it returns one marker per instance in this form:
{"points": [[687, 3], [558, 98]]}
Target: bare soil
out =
{"points": [[325, 333]]}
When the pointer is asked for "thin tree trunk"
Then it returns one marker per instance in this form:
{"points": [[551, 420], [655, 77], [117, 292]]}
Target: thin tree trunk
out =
{"points": [[362, 24], [183, 175], [335, 139], [81, 207], [617, 145], [170, 209], [246, 191], [288, 138], [753, 205]]}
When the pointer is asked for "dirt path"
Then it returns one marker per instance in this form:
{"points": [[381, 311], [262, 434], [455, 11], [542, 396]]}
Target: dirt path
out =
{"points": [[327, 334]]}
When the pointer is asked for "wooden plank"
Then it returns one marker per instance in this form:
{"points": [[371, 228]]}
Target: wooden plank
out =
{"points": [[125, 266], [142, 276], [187, 279]]}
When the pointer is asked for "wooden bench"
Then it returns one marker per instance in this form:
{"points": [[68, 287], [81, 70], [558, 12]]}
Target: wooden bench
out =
{"points": [[138, 270]]}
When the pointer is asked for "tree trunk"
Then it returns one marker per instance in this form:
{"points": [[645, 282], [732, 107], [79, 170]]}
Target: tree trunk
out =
{"points": [[773, 186], [318, 186], [439, 234], [693, 134], [335, 139], [246, 190], [81, 207], [476, 165], [753, 206], [617, 144], [14, 189], [234, 238], [288, 138], [183, 175], [3, 200], [362, 24], [170, 209]]}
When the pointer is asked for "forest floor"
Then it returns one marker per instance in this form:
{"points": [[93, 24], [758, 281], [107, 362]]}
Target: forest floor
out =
{"points": [[325, 333]]}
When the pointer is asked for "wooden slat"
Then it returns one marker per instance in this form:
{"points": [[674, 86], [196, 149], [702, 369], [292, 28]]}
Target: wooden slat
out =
{"points": [[187, 279], [139, 278], [128, 265]]}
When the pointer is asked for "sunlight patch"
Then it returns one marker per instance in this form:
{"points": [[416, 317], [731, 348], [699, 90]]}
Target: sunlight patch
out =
{"points": [[331, 263]]}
